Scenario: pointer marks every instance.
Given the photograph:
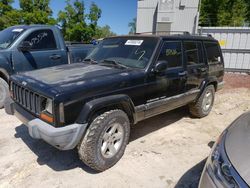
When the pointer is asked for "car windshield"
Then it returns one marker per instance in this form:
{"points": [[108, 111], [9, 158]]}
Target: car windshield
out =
{"points": [[8, 36], [125, 51]]}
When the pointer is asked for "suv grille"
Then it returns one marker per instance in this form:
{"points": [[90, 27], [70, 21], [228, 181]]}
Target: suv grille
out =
{"points": [[27, 99]]}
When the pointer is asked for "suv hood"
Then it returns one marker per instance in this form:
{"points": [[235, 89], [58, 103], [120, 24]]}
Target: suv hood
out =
{"points": [[74, 78], [237, 146], [65, 74]]}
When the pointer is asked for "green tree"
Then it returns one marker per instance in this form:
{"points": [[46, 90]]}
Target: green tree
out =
{"points": [[36, 12], [239, 13], [209, 12], [12, 17], [94, 14], [5, 9], [132, 26], [225, 12], [103, 32], [248, 12], [5, 6], [73, 21]]}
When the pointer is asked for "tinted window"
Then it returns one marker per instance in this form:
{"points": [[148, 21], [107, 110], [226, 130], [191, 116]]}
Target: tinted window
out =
{"points": [[42, 40], [213, 52], [172, 53], [193, 52]]}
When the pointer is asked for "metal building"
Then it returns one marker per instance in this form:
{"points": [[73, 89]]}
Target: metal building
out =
{"points": [[235, 44], [156, 16]]}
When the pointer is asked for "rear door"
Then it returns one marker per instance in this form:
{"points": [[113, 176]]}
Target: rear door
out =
{"points": [[197, 68], [45, 52]]}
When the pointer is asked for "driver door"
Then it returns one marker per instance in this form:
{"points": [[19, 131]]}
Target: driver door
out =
{"points": [[44, 52], [170, 83]]}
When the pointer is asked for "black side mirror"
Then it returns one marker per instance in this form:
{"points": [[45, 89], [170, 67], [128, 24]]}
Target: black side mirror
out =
{"points": [[25, 46], [161, 66]]}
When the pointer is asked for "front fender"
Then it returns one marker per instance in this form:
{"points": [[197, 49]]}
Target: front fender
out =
{"points": [[4, 74], [5, 67], [93, 106]]}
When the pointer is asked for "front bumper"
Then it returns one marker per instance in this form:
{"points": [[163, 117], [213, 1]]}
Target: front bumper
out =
{"points": [[64, 138]]}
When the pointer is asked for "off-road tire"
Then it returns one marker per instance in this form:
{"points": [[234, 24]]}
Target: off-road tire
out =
{"points": [[4, 92], [89, 149], [196, 108]]}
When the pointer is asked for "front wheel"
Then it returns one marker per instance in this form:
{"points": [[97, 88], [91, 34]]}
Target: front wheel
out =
{"points": [[105, 141], [4, 92], [204, 104]]}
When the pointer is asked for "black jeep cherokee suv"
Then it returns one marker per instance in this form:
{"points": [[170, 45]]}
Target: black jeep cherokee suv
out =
{"points": [[127, 79]]}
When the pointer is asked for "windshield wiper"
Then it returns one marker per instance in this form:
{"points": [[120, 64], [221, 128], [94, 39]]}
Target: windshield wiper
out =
{"points": [[90, 61], [113, 62]]}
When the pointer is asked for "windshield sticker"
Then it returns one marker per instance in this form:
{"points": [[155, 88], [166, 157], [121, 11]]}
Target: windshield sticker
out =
{"points": [[134, 42], [17, 30]]}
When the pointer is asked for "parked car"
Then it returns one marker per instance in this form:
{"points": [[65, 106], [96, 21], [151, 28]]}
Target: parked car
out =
{"points": [[123, 81], [25, 48], [229, 161]]}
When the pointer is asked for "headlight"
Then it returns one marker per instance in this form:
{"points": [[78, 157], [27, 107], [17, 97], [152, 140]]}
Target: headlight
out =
{"points": [[49, 105], [218, 164], [47, 110]]}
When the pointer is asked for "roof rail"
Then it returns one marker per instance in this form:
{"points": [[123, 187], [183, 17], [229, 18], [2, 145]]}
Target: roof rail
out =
{"points": [[175, 33], [204, 35], [164, 33]]}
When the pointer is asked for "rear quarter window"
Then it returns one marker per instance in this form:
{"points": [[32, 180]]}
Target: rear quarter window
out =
{"points": [[213, 52]]}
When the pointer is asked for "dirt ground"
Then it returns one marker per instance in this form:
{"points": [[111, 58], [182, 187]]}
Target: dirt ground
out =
{"points": [[165, 151]]}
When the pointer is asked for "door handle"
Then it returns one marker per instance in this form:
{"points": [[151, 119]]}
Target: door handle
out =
{"points": [[55, 57], [182, 73]]}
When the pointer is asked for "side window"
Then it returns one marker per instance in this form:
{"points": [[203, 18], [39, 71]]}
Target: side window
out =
{"points": [[42, 40], [193, 52], [172, 53], [213, 52]]}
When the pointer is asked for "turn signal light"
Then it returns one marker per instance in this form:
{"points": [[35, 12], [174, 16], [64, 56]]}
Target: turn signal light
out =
{"points": [[47, 118]]}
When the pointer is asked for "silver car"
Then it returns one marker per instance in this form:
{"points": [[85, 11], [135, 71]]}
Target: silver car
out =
{"points": [[228, 165]]}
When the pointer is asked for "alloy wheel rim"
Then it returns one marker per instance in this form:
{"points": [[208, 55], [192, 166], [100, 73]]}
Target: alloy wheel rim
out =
{"points": [[112, 140], [207, 101]]}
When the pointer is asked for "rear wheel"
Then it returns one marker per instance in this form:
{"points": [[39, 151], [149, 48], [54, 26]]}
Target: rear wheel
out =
{"points": [[204, 104], [105, 141], [4, 92]]}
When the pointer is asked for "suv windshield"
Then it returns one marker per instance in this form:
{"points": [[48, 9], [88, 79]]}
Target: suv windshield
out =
{"points": [[8, 36], [130, 52]]}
